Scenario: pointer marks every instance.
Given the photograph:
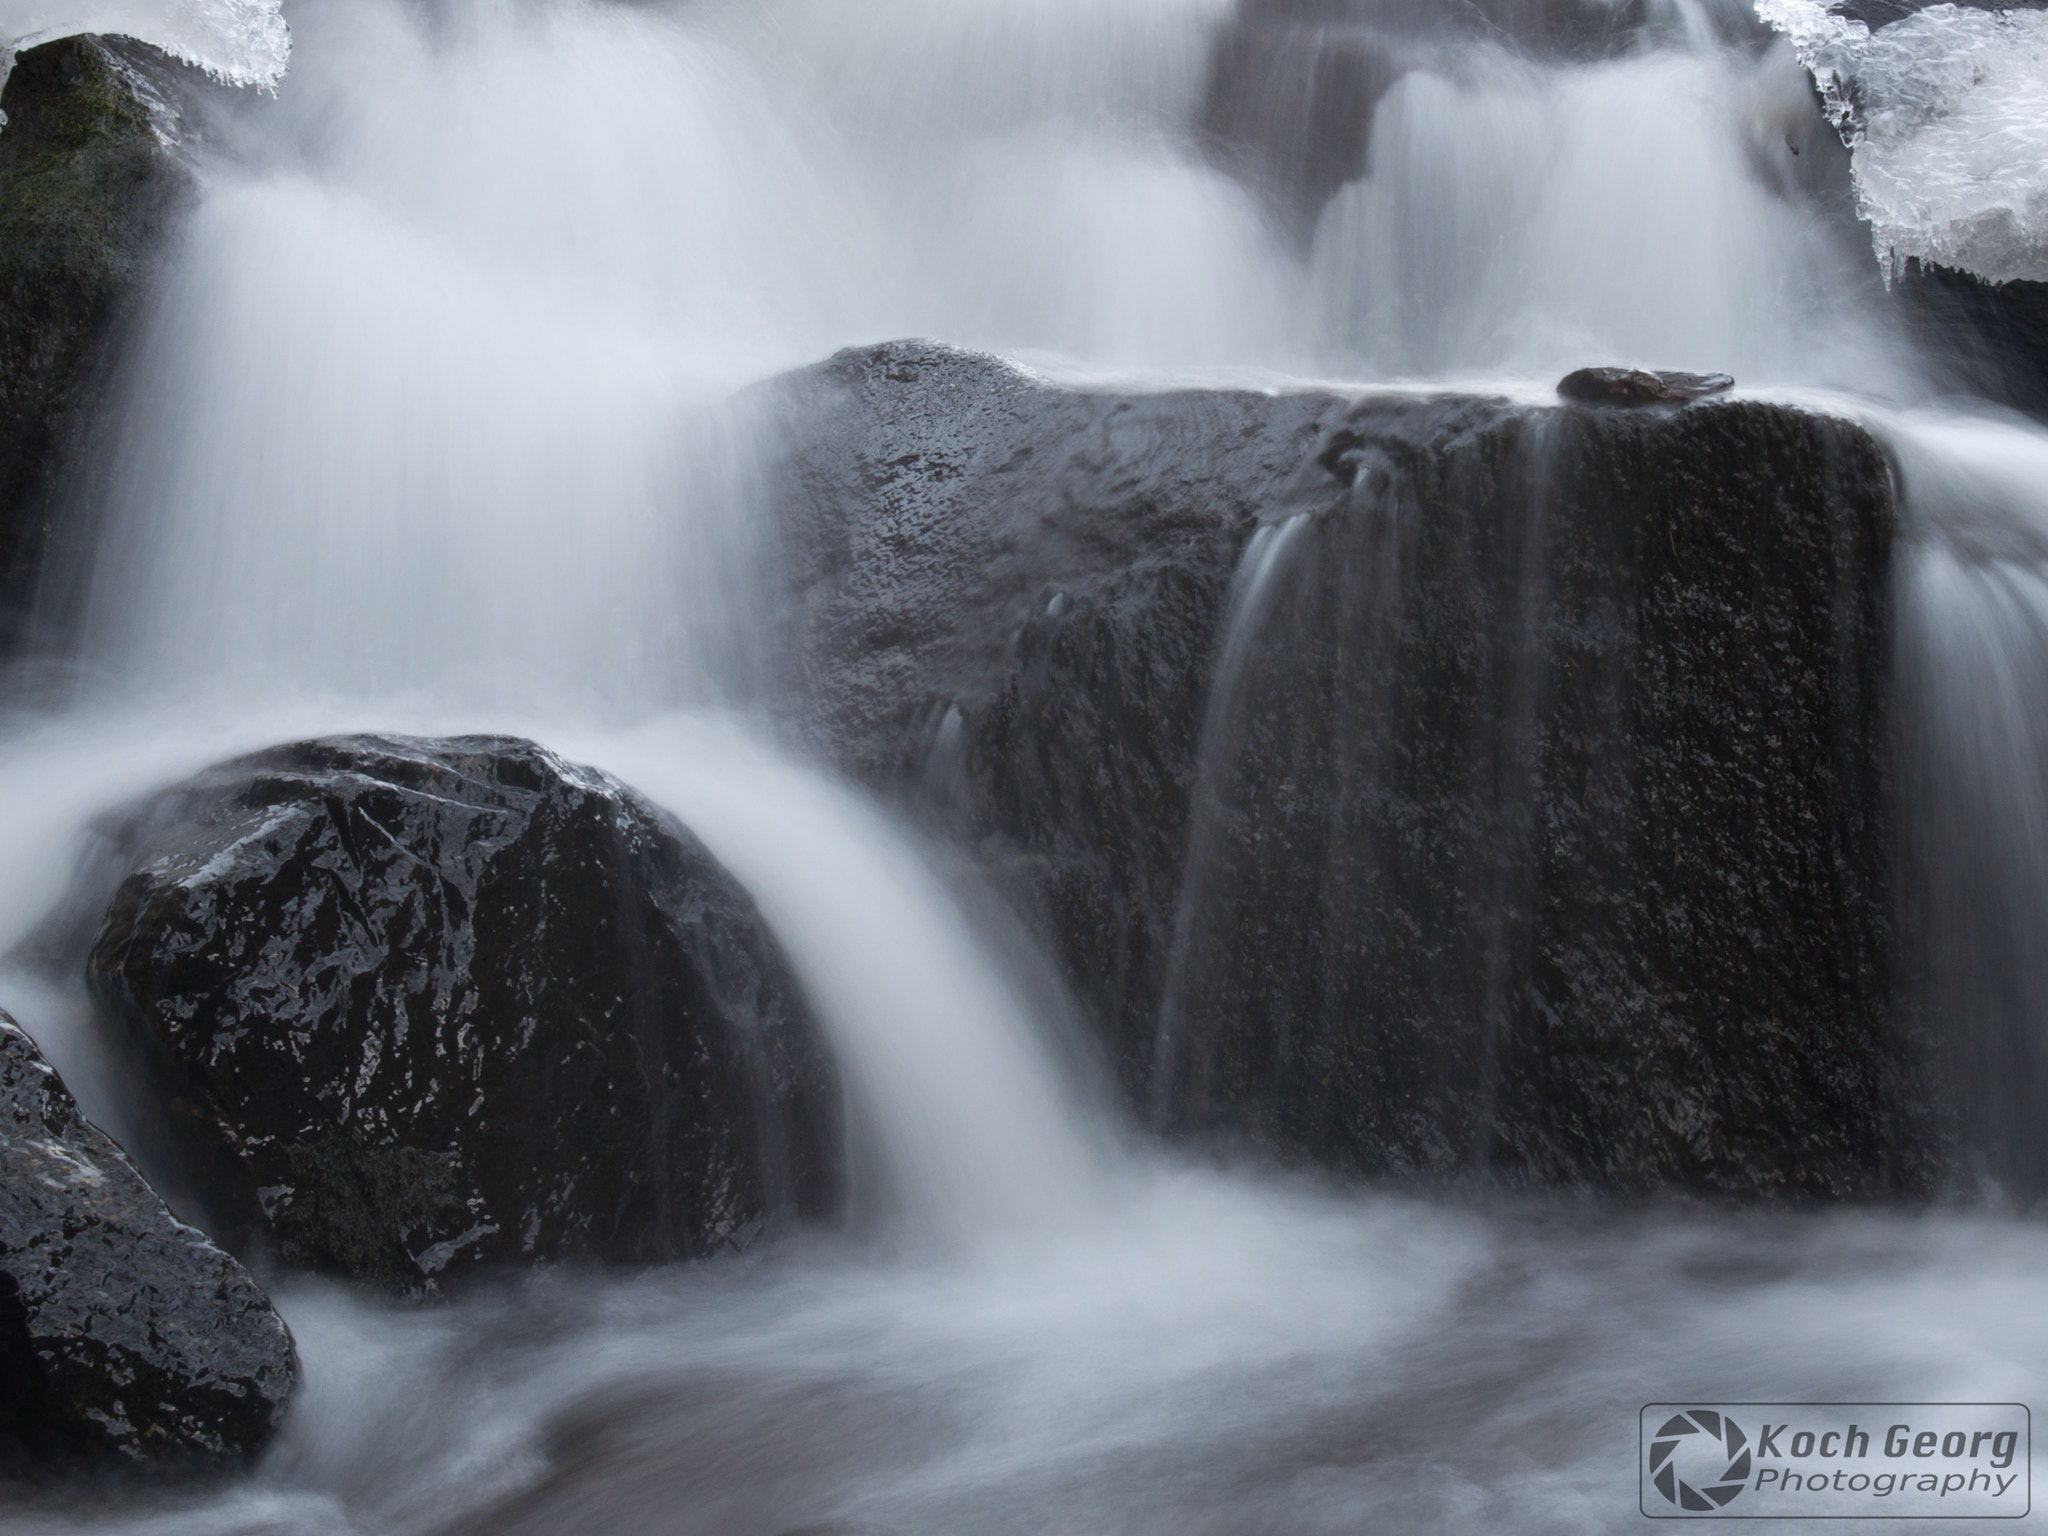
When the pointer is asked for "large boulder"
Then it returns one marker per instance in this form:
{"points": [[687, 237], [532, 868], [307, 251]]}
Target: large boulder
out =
{"points": [[425, 1006], [1553, 836], [1530, 817], [123, 1332], [91, 186]]}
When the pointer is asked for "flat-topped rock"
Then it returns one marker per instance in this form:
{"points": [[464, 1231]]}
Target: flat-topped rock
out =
{"points": [[1538, 824]]}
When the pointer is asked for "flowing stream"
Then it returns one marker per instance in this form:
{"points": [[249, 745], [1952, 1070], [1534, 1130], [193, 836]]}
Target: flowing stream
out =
{"points": [[426, 432]]}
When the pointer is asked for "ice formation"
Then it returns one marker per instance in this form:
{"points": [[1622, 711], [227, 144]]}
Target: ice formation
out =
{"points": [[243, 42], [1947, 113]]}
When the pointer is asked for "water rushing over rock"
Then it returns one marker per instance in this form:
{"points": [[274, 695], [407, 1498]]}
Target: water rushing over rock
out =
{"points": [[91, 192], [1442, 824], [1404, 772]]}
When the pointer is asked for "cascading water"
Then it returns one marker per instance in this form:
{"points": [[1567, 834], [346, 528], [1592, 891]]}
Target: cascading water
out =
{"points": [[1251, 593], [1973, 631], [424, 433], [977, 1133]]}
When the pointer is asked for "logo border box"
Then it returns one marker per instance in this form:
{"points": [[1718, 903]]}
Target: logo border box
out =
{"points": [[1642, 1505]]}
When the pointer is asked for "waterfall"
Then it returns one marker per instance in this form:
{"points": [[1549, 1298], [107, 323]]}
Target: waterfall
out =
{"points": [[949, 1070], [1973, 645], [426, 422], [439, 420], [1244, 613]]}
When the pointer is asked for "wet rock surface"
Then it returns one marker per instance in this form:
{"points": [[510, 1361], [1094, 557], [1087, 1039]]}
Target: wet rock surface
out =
{"points": [[1989, 339], [91, 188], [1572, 732], [420, 1007], [1882, 13], [935, 494], [1544, 829], [1005, 599], [123, 1332], [1640, 386]]}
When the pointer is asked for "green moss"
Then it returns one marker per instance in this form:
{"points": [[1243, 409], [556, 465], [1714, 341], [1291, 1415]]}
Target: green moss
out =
{"points": [[76, 145]]}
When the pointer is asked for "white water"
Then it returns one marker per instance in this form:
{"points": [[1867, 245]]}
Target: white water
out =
{"points": [[423, 436], [1974, 646], [1519, 217], [946, 1066], [1244, 613]]}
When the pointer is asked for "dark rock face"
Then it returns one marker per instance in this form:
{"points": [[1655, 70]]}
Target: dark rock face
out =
{"points": [[1289, 108], [122, 1331], [1556, 838], [1992, 337], [1638, 386], [1530, 816], [936, 495], [90, 190], [1049, 567], [426, 1006]]}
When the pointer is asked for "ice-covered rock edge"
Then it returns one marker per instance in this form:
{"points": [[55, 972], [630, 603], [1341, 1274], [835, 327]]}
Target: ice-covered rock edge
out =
{"points": [[239, 42], [1946, 112]]}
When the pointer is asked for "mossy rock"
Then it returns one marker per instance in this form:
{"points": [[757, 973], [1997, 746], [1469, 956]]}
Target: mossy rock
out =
{"points": [[90, 189]]}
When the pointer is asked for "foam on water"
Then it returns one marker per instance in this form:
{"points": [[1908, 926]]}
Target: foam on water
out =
{"points": [[1227, 1355]]}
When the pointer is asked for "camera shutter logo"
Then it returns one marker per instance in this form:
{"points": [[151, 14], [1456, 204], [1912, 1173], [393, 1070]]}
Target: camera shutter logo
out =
{"points": [[1710, 1449]]}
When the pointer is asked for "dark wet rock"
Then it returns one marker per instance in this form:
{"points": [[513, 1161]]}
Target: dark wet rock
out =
{"points": [[1047, 567], [123, 1332], [1579, 29], [1555, 840], [1289, 108], [1639, 386], [91, 188], [425, 1006], [1545, 830], [1990, 338], [936, 494]]}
